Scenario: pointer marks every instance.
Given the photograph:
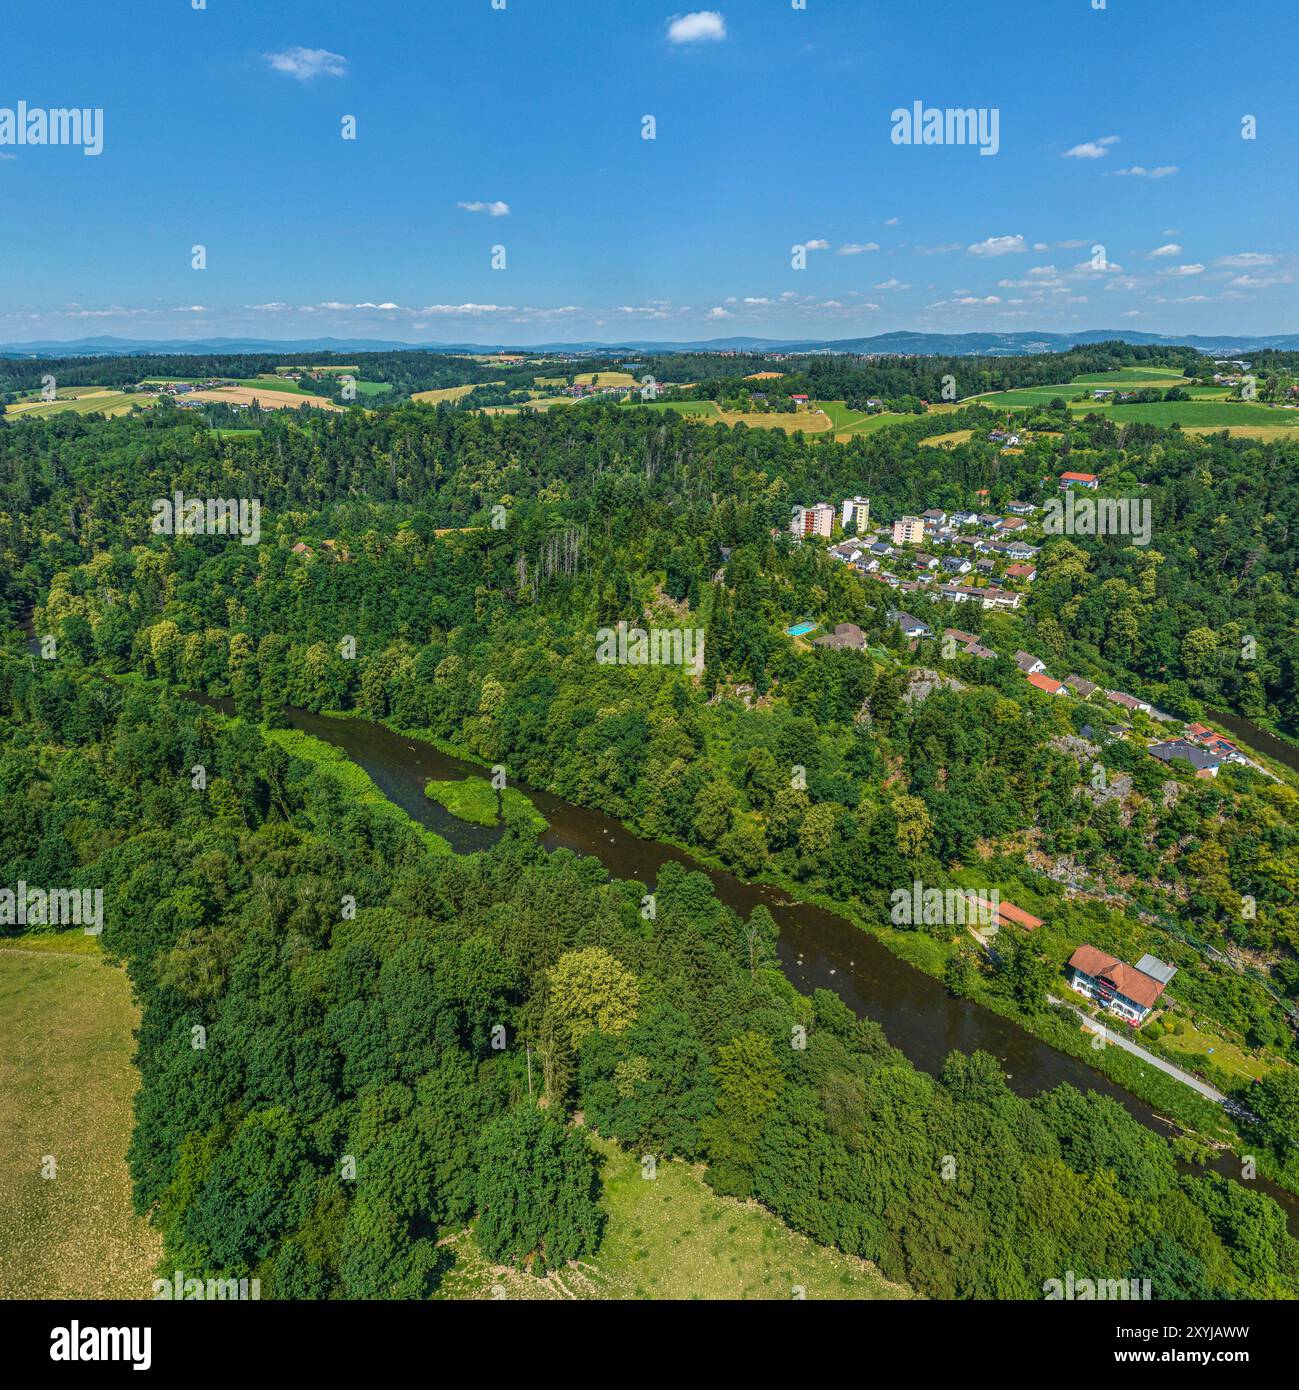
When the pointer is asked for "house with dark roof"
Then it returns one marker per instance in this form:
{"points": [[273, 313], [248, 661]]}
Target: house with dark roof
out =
{"points": [[1125, 990], [1028, 663], [844, 635], [1206, 764], [911, 626], [1130, 702], [1081, 687]]}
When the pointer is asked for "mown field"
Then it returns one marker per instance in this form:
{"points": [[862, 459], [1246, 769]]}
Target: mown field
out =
{"points": [[66, 1090], [671, 1237], [448, 393], [82, 400]]}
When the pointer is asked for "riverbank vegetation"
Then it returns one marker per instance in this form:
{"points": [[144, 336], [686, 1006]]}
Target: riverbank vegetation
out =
{"points": [[476, 800], [344, 1037]]}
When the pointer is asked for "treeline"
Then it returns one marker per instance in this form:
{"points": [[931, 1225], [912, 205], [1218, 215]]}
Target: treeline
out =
{"points": [[856, 380], [337, 1026]]}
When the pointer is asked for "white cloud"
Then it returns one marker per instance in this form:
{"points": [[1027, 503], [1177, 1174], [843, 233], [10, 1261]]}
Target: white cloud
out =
{"points": [[1172, 249], [893, 283], [1183, 270], [855, 248], [974, 299], [306, 63], [816, 244], [998, 246], [1140, 172], [1092, 149], [892, 221], [1259, 282], [1246, 260], [496, 209], [719, 313], [939, 250], [698, 27]]}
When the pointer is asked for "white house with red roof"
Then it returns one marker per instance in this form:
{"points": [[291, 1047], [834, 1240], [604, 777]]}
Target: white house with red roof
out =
{"points": [[1130, 991]]}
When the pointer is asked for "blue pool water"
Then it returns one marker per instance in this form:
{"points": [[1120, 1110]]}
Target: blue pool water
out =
{"points": [[800, 628]]}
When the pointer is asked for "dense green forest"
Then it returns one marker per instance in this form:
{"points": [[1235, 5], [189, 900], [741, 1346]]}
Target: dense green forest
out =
{"points": [[337, 1021], [447, 572]]}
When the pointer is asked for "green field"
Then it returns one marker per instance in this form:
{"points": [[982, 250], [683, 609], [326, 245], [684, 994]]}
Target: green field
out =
{"points": [[1208, 409], [1206, 414], [274, 383], [81, 401], [66, 1088], [1133, 376], [672, 1238]]}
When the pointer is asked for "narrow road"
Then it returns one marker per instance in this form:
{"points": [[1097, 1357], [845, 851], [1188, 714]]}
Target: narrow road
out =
{"points": [[1119, 1040]]}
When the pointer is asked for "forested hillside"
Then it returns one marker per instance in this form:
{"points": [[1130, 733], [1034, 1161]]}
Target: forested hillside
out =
{"points": [[448, 573]]}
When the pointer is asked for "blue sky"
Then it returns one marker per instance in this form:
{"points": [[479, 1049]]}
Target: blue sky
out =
{"points": [[1119, 128]]}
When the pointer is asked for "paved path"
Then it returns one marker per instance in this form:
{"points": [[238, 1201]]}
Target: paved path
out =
{"points": [[1126, 1043]]}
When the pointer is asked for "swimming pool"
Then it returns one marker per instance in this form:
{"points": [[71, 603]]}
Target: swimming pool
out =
{"points": [[799, 629]]}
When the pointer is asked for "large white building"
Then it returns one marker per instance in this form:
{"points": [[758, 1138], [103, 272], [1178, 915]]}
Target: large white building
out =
{"points": [[908, 530], [816, 520], [856, 514]]}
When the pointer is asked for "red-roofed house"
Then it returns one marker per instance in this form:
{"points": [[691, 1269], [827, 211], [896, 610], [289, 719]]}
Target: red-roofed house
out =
{"points": [[1010, 915], [1120, 988], [1088, 480], [1052, 687]]}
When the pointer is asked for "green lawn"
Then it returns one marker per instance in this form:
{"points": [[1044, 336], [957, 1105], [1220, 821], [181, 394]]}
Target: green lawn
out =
{"points": [[671, 1237], [66, 1088], [1195, 1046]]}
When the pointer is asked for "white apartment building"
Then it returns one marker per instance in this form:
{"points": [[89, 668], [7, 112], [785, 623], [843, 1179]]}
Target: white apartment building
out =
{"points": [[856, 513]]}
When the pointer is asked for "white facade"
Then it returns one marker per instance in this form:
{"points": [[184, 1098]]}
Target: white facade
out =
{"points": [[856, 513]]}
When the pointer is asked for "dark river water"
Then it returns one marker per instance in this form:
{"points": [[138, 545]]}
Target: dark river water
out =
{"points": [[818, 949], [1285, 753]]}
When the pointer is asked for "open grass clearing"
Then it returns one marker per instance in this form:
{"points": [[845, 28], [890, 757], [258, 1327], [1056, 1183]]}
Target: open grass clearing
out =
{"points": [[671, 1237], [66, 1089]]}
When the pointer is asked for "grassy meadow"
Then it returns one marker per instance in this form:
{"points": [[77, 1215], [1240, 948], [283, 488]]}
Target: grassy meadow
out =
{"points": [[66, 1090], [672, 1237]]}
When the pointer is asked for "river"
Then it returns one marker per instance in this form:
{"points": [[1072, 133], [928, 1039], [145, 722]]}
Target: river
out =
{"points": [[818, 949], [1251, 735]]}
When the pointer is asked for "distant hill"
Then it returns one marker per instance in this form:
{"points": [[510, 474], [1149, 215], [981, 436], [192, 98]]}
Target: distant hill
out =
{"points": [[909, 344]]}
